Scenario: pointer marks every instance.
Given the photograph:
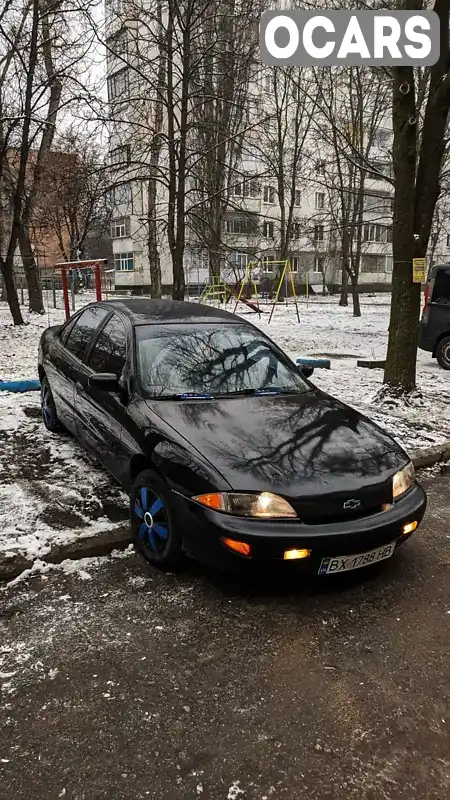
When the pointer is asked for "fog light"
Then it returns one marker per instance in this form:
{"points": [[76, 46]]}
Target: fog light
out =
{"points": [[293, 555], [242, 548], [409, 528]]}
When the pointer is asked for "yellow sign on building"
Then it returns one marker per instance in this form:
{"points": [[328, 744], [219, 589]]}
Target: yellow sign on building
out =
{"points": [[419, 270]]}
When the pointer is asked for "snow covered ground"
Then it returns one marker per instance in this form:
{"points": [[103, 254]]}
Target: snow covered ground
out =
{"points": [[50, 489]]}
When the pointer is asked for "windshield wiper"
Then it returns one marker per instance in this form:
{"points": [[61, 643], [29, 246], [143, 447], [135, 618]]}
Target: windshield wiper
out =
{"points": [[182, 396], [258, 392]]}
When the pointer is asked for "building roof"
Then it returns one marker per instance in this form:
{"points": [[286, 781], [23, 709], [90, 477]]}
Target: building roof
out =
{"points": [[146, 311]]}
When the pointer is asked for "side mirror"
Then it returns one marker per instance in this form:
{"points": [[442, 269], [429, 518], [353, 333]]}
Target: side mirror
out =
{"points": [[306, 370], [105, 382]]}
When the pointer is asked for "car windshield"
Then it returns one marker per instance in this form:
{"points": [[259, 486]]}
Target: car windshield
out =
{"points": [[211, 360]]}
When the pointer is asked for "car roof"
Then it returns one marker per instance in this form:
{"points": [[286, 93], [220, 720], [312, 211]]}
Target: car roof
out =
{"points": [[437, 267], [142, 310]]}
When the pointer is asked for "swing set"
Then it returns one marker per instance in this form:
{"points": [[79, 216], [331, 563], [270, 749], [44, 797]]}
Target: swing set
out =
{"points": [[219, 290], [97, 266]]}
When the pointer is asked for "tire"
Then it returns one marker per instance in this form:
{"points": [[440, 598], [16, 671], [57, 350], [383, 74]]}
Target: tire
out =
{"points": [[443, 353], [49, 415], [154, 531]]}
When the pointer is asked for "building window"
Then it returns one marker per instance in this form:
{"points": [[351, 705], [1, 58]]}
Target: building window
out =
{"points": [[381, 166], [382, 137], [269, 194], [319, 263], [320, 200], [297, 197], [249, 155], [318, 233], [245, 225], [269, 82], [120, 227], [124, 262], [378, 202], [239, 259], [295, 92], [268, 230], [118, 84], [377, 233], [295, 263], [246, 189], [448, 240], [266, 265], [121, 194], [320, 167], [294, 230], [389, 264], [121, 155], [117, 45]]}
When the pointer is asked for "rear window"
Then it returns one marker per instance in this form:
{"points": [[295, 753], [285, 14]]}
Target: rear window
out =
{"points": [[441, 287]]}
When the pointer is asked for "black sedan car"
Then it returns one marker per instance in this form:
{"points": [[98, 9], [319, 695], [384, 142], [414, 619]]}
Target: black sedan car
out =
{"points": [[228, 451]]}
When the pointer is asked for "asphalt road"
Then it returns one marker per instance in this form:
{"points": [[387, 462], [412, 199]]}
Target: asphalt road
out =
{"points": [[127, 683]]}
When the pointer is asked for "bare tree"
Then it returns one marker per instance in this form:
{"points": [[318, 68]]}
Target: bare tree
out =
{"points": [[40, 51], [74, 197], [223, 119], [353, 104], [420, 109]]}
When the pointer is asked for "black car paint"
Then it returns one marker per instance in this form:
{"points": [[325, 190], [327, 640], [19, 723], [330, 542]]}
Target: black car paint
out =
{"points": [[435, 322], [310, 448]]}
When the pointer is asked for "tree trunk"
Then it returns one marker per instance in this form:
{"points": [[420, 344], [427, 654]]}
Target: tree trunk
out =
{"points": [[400, 371], [35, 301], [11, 293], [152, 242], [355, 296], [343, 301], [179, 286]]}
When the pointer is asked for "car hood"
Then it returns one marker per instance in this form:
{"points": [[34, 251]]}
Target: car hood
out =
{"points": [[295, 445]]}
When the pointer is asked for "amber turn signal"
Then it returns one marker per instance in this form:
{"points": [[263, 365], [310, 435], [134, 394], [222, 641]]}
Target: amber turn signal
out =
{"points": [[242, 548], [409, 528], [210, 500], [294, 555]]}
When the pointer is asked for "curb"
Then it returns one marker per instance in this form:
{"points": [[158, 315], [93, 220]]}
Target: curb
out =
{"points": [[431, 456], [91, 546], [104, 543]]}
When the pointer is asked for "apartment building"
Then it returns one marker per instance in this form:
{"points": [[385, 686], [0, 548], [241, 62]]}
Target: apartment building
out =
{"points": [[254, 217]]}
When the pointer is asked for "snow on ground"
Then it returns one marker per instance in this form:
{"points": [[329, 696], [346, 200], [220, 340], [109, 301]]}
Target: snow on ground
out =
{"points": [[52, 492], [326, 329]]}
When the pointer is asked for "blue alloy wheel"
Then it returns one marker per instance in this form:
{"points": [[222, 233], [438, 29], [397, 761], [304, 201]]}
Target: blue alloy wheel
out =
{"points": [[48, 408], [151, 520], [46, 404]]}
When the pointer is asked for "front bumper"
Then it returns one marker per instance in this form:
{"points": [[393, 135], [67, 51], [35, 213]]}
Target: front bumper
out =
{"points": [[204, 528]]}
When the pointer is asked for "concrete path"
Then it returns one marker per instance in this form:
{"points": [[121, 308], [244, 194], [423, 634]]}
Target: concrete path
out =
{"points": [[127, 683]]}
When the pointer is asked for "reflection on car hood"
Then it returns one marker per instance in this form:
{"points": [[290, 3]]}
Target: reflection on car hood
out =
{"points": [[293, 444]]}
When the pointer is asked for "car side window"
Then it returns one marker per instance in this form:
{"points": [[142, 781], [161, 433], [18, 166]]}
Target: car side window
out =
{"points": [[110, 348], [441, 290], [81, 333], [64, 335]]}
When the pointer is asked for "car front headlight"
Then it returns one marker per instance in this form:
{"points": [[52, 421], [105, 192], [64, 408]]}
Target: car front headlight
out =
{"points": [[264, 505], [403, 480]]}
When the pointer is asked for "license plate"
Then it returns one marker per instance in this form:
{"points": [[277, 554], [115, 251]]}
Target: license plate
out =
{"points": [[335, 564]]}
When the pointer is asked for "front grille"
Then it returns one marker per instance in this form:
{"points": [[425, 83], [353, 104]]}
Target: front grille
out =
{"points": [[327, 516], [326, 509]]}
